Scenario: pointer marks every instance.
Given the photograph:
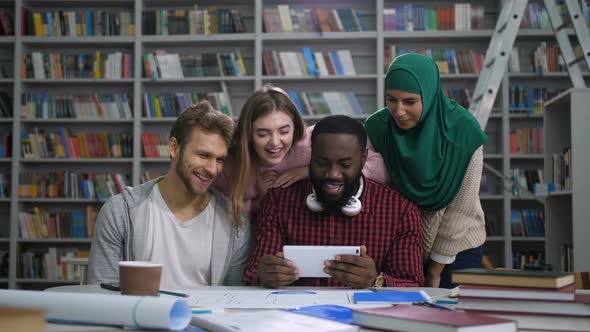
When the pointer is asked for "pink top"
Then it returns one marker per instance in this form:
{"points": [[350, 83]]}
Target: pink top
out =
{"points": [[298, 156]]}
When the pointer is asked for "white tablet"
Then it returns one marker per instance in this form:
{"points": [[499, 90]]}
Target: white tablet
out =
{"points": [[309, 260]]}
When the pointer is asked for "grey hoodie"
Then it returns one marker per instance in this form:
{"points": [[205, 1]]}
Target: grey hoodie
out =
{"points": [[114, 240]]}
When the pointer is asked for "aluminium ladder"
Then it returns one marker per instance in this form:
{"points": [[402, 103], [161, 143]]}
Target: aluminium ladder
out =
{"points": [[502, 42]]}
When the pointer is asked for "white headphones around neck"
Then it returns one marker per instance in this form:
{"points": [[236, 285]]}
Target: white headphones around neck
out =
{"points": [[351, 209]]}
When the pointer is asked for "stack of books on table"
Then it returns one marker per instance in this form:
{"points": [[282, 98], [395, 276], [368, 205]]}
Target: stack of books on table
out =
{"points": [[540, 300]]}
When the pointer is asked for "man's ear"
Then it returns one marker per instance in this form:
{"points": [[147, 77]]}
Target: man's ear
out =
{"points": [[173, 147], [365, 156]]}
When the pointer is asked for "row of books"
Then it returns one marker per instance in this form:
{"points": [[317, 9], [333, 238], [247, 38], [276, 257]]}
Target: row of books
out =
{"points": [[543, 59], [42, 105], [74, 185], [524, 180], [324, 103], [43, 224], [306, 63], [448, 60], [529, 100], [51, 264], [461, 95], [412, 17], [163, 105], [6, 23], [566, 258], [536, 16], [78, 23], [526, 141], [528, 260], [155, 145], [161, 65], [5, 145], [192, 21], [282, 18], [62, 144], [40, 65], [562, 169], [4, 185], [5, 105], [536, 299], [527, 222]]}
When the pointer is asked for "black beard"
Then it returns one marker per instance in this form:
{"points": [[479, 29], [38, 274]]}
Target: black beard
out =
{"points": [[350, 188]]}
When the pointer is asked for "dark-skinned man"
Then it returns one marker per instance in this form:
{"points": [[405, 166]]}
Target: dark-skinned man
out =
{"points": [[344, 209]]}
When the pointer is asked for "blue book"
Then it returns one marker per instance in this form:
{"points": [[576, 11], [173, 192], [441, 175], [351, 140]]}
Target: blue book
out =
{"points": [[391, 297], [310, 62], [337, 64], [297, 101], [89, 25]]}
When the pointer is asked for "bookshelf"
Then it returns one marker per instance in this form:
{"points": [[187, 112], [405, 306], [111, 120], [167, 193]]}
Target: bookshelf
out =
{"points": [[566, 218], [367, 49]]}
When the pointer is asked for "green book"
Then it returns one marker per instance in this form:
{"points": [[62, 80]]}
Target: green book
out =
{"points": [[514, 278]]}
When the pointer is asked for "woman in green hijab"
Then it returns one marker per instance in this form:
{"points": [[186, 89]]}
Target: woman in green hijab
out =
{"points": [[432, 148]]}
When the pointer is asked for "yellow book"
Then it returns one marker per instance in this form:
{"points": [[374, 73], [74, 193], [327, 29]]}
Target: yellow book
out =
{"points": [[38, 24], [115, 151], [40, 223], [96, 65], [157, 107], [240, 60], [79, 23]]}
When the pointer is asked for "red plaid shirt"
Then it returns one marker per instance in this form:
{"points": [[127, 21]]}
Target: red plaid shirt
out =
{"points": [[389, 225]]}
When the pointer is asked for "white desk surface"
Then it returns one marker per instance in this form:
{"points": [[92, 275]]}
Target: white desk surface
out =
{"points": [[432, 292]]}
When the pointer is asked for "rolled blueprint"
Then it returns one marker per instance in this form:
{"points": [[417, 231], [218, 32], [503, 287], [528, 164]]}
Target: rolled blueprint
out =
{"points": [[138, 311]]}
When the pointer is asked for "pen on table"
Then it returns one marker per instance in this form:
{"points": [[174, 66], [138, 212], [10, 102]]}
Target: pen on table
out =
{"points": [[205, 310], [431, 305], [173, 293]]}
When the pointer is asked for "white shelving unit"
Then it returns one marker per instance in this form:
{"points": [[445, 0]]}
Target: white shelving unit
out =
{"points": [[567, 218], [367, 49]]}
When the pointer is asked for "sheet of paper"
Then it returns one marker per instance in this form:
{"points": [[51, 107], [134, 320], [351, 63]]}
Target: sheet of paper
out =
{"points": [[268, 298]]}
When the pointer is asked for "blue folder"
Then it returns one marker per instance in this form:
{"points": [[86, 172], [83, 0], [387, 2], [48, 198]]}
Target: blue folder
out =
{"points": [[390, 297]]}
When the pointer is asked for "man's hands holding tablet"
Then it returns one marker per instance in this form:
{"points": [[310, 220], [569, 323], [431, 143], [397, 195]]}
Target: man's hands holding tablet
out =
{"points": [[349, 264]]}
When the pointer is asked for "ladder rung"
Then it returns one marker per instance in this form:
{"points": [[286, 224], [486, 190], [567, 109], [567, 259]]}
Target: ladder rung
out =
{"points": [[478, 98], [491, 63], [573, 62], [561, 27]]}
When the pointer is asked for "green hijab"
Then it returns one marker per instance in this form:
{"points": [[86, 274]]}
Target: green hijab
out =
{"points": [[426, 163]]}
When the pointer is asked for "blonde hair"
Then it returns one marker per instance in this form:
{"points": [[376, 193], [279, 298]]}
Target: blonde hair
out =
{"points": [[262, 102], [204, 116]]}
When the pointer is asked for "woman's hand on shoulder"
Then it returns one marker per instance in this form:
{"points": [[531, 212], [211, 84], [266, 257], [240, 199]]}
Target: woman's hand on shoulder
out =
{"points": [[266, 180], [291, 176]]}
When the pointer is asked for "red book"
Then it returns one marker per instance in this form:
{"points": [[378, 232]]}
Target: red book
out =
{"points": [[582, 296], [415, 318], [517, 293]]}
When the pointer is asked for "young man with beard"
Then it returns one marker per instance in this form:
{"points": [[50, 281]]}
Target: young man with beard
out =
{"points": [[176, 219], [385, 224]]}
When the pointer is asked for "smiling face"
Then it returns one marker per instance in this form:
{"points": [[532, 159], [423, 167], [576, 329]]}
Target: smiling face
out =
{"points": [[272, 137], [335, 168], [404, 107], [199, 160]]}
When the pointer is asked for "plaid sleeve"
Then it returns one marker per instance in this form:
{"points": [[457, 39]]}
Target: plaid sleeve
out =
{"points": [[267, 238], [404, 263]]}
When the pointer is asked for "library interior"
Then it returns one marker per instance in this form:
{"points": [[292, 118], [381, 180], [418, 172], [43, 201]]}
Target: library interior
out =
{"points": [[466, 114]]}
